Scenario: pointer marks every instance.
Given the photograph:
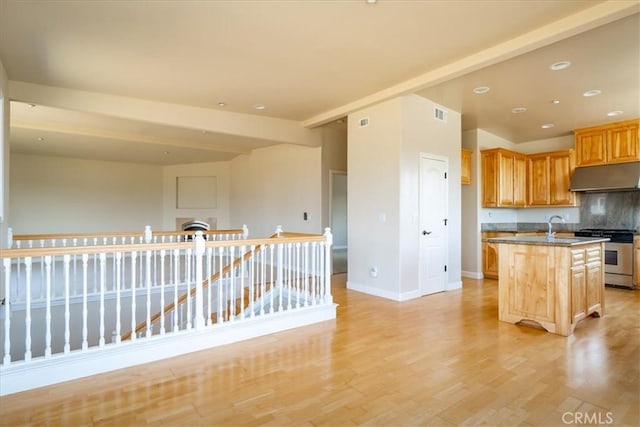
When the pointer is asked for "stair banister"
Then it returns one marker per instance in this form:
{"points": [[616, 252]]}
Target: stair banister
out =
{"points": [[200, 249]]}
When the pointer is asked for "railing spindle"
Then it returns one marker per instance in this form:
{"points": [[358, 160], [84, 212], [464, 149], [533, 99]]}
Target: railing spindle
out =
{"points": [[176, 269], [6, 361], [47, 340], [163, 254], [148, 286], [103, 277], [118, 284], [67, 312], [219, 314], [85, 311], [133, 295], [27, 320]]}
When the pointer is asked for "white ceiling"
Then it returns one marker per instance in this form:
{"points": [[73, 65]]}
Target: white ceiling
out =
{"points": [[313, 62]]}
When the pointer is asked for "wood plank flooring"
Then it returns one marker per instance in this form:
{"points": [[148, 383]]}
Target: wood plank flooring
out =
{"points": [[444, 360]]}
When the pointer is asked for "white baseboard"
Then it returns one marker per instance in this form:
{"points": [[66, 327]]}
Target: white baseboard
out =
{"points": [[396, 296], [473, 274], [21, 376], [454, 286]]}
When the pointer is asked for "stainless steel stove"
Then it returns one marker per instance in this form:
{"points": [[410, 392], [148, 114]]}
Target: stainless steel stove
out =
{"points": [[618, 255]]}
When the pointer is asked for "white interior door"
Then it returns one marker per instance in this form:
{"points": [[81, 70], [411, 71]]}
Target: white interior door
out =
{"points": [[433, 224]]}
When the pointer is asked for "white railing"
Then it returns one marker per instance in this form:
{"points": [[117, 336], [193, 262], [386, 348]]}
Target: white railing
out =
{"points": [[117, 238], [63, 301]]}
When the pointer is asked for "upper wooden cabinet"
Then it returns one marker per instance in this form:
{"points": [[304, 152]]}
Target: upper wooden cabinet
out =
{"points": [[465, 173], [548, 179], [503, 178], [612, 143]]}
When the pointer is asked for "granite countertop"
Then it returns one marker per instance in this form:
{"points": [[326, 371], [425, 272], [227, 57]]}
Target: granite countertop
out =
{"points": [[543, 241]]}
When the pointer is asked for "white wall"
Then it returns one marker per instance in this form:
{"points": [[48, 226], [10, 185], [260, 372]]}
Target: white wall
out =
{"points": [[334, 158], [275, 186], [4, 157], [383, 203], [62, 195], [470, 195], [221, 172], [339, 210], [421, 133]]}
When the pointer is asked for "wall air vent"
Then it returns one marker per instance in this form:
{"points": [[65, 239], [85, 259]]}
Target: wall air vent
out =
{"points": [[440, 114], [364, 122]]}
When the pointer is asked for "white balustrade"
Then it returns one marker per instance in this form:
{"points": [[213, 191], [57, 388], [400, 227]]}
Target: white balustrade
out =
{"points": [[61, 301]]}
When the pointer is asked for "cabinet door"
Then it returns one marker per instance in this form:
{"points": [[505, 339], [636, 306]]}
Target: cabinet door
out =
{"points": [[538, 180], [591, 147], [623, 144], [519, 180], [594, 276], [490, 269], [505, 180], [560, 171], [578, 293], [465, 168], [636, 268], [489, 179]]}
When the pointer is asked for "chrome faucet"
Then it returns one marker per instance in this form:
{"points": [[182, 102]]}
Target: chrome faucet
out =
{"points": [[550, 234]]}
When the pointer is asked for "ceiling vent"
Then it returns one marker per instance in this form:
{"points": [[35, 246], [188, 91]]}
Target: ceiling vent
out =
{"points": [[364, 122], [440, 114]]}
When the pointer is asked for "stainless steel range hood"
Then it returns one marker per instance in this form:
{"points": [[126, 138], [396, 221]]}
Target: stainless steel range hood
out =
{"points": [[612, 177]]}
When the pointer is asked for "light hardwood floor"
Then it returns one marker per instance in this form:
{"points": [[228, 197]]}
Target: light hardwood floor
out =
{"points": [[444, 359]]}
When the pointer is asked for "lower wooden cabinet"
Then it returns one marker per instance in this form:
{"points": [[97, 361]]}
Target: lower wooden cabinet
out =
{"points": [[490, 250], [554, 286], [636, 267], [490, 253]]}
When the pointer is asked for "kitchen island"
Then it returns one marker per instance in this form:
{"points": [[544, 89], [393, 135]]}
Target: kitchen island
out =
{"points": [[554, 282]]}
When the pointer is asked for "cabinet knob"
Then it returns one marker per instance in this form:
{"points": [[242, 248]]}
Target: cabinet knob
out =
{"points": [[424, 232]]}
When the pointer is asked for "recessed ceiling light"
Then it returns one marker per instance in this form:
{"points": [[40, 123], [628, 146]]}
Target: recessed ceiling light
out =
{"points": [[222, 104], [592, 92], [518, 110], [555, 102], [40, 138], [560, 65], [259, 107], [165, 152], [547, 126], [371, 1], [481, 89], [614, 113]]}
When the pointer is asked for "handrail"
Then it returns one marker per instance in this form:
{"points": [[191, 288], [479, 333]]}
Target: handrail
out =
{"points": [[71, 250], [117, 234]]}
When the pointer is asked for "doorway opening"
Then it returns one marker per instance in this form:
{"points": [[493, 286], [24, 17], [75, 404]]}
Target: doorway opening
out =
{"points": [[338, 215]]}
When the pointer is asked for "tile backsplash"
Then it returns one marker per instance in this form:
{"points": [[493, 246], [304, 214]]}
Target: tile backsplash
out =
{"points": [[618, 209]]}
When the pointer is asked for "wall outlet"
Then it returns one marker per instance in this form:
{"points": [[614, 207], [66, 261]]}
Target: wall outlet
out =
{"points": [[373, 272]]}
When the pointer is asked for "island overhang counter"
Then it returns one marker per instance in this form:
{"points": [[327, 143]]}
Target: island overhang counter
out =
{"points": [[554, 282]]}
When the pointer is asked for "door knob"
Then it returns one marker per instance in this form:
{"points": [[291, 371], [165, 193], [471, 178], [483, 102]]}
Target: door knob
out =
{"points": [[424, 232]]}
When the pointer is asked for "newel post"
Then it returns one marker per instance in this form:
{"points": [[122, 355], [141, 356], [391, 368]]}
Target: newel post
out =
{"points": [[328, 298], [199, 253], [148, 235]]}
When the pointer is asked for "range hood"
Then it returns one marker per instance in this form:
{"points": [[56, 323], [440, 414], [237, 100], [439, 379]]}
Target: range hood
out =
{"points": [[612, 177]]}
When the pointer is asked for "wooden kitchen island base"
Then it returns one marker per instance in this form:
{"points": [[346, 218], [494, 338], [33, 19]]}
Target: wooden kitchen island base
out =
{"points": [[555, 283]]}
